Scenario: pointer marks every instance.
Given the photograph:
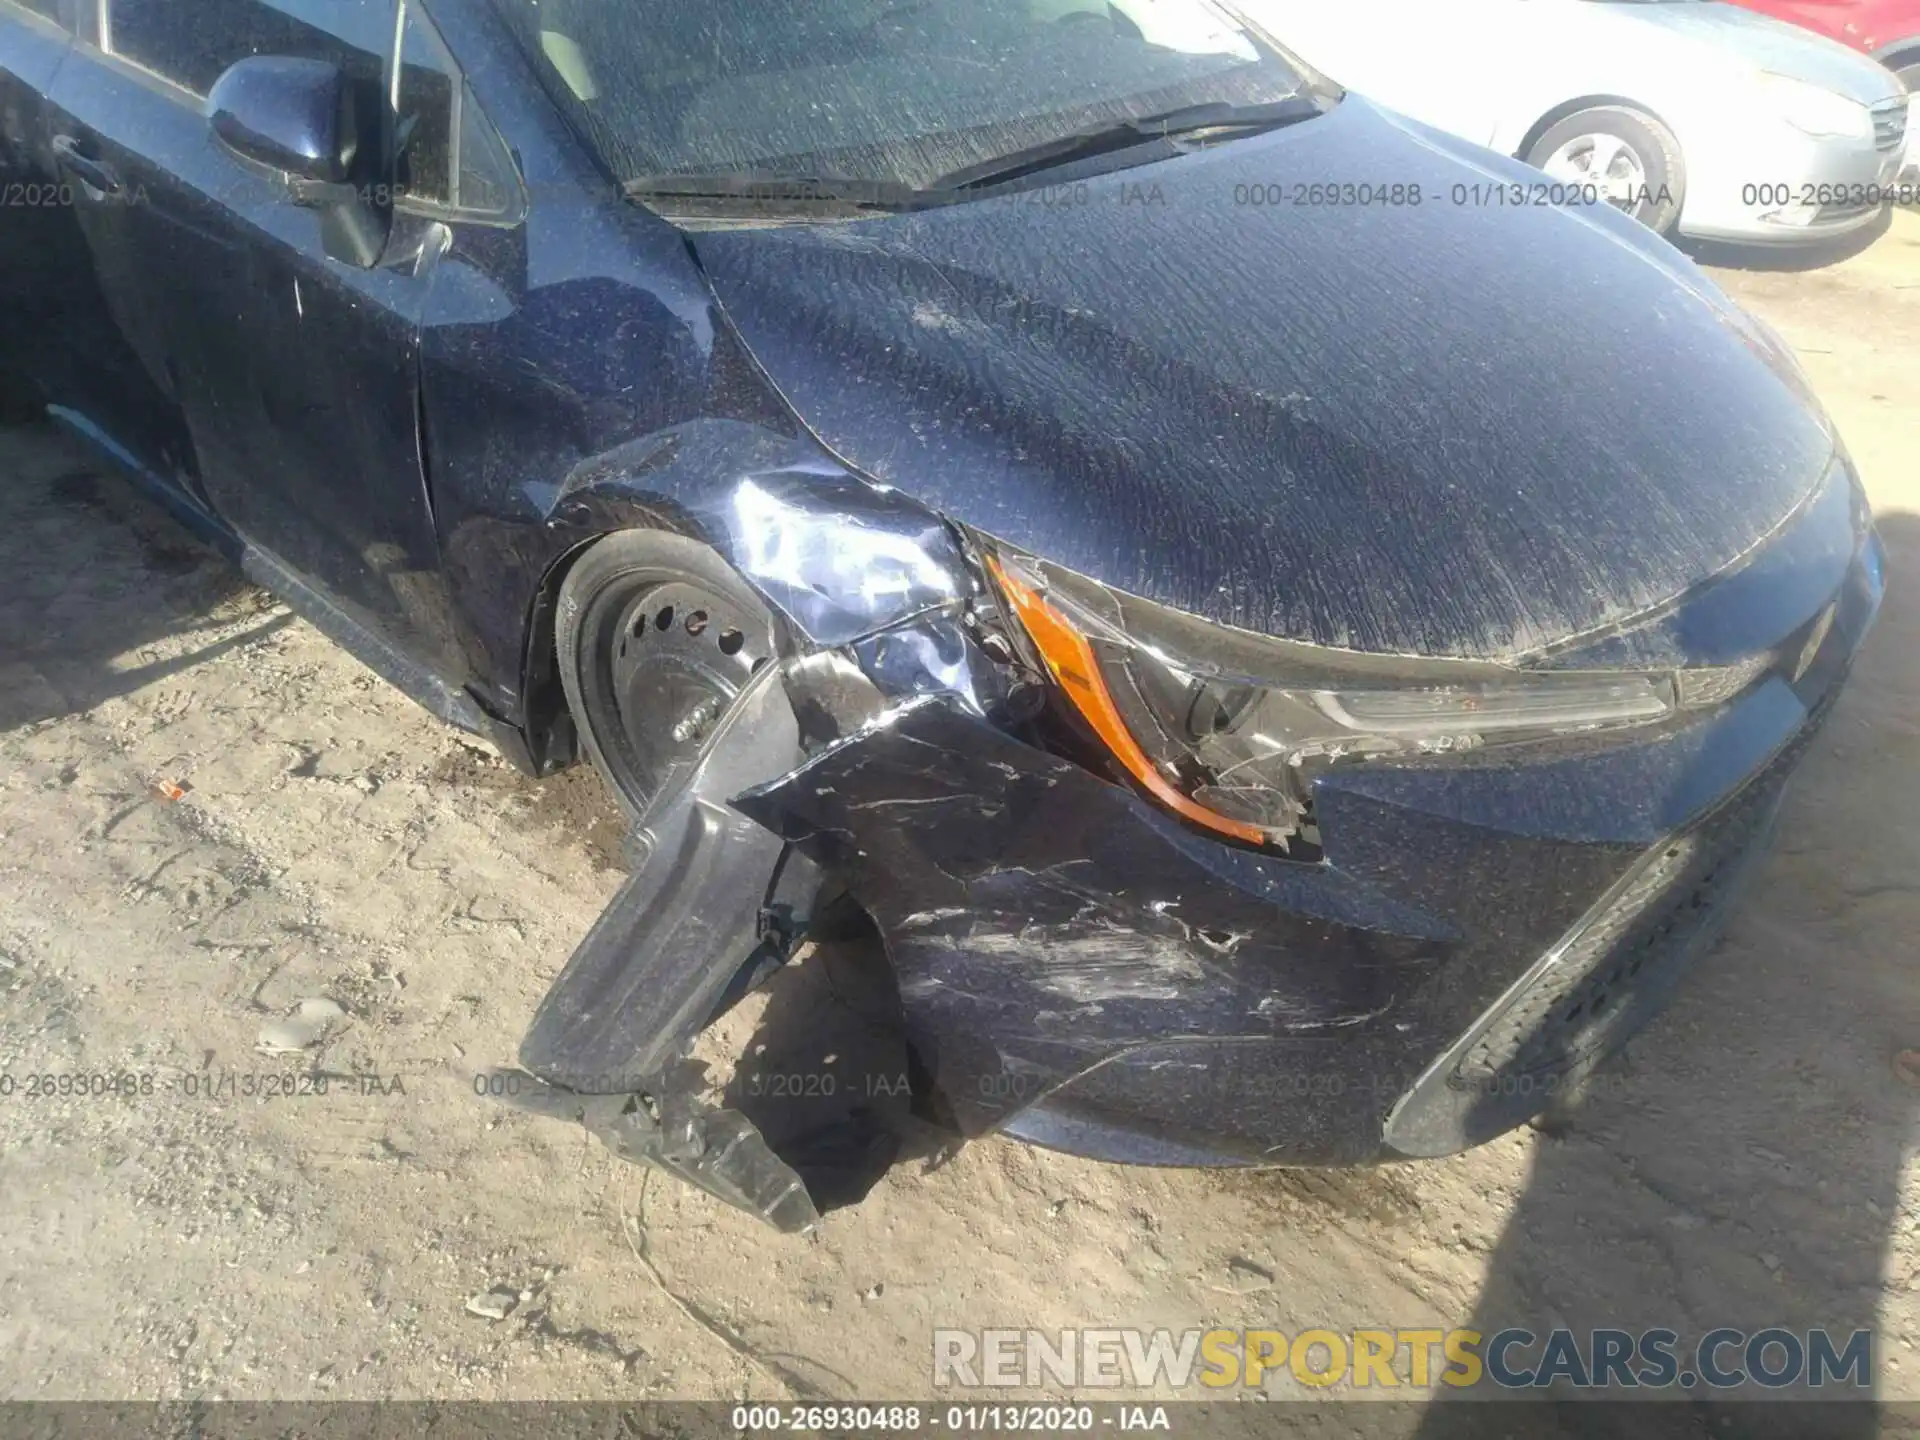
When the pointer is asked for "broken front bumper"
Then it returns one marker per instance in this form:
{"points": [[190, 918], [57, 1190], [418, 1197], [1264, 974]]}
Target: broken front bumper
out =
{"points": [[1083, 973], [1080, 970]]}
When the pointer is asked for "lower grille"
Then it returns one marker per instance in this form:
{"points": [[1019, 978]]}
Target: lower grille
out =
{"points": [[1629, 954]]}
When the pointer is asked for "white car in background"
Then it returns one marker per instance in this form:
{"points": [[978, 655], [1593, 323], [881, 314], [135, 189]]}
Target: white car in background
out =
{"points": [[1693, 116]]}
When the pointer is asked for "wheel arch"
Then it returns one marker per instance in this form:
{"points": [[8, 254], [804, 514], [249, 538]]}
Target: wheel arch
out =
{"points": [[552, 741], [1896, 53], [1600, 100], [834, 555]]}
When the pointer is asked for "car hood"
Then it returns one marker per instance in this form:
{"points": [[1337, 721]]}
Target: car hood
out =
{"points": [[1447, 428], [1722, 34]]}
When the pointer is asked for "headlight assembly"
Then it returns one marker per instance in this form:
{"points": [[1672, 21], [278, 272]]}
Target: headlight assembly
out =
{"points": [[1815, 110], [1228, 729]]}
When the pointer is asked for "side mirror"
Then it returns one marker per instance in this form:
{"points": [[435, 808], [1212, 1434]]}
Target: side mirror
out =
{"points": [[309, 120], [297, 116]]}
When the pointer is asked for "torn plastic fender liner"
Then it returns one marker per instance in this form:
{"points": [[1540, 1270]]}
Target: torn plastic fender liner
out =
{"points": [[714, 899], [712, 890], [709, 895], [718, 1151], [693, 911]]}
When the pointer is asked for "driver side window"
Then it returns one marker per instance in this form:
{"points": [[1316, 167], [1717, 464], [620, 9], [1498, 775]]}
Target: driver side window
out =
{"points": [[449, 158], [192, 42]]}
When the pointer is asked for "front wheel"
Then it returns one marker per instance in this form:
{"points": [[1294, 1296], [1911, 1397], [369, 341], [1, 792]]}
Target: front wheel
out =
{"points": [[656, 635], [1629, 158]]}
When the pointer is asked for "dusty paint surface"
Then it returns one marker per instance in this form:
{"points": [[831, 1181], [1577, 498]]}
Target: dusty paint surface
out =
{"points": [[1418, 436], [1751, 1162]]}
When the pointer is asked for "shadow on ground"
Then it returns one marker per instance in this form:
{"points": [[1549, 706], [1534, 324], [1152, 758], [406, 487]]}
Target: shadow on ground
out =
{"points": [[827, 1077], [1740, 1165], [100, 592]]}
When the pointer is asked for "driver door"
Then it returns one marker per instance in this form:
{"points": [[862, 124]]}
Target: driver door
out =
{"points": [[295, 372]]}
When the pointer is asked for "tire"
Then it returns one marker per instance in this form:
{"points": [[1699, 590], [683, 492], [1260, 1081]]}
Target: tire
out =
{"points": [[655, 636], [1645, 175]]}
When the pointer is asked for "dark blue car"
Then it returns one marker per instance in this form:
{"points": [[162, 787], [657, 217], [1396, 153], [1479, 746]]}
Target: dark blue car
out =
{"points": [[1291, 642]]}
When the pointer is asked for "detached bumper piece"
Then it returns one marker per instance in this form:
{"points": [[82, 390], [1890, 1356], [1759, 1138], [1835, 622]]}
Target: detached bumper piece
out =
{"points": [[718, 1151], [662, 960]]}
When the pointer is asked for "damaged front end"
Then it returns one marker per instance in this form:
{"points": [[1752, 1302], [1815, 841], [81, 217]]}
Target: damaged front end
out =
{"points": [[876, 599], [1155, 890]]}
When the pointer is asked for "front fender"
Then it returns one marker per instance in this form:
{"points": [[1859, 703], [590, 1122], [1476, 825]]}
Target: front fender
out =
{"points": [[837, 556]]}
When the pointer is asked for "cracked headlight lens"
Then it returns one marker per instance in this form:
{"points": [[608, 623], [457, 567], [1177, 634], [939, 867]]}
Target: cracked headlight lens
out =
{"points": [[1228, 729]]}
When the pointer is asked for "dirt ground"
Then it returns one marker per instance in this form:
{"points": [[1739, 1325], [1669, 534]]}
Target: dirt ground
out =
{"points": [[1748, 1162]]}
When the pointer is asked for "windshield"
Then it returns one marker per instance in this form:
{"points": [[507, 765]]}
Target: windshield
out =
{"points": [[896, 92]]}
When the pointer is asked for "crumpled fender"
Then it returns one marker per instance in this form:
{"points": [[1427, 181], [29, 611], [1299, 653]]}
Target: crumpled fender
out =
{"points": [[836, 555]]}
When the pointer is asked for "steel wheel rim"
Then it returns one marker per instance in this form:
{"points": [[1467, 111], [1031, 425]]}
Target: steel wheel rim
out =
{"points": [[676, 656]]}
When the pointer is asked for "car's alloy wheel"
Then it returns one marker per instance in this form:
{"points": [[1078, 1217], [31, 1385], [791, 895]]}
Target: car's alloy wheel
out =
{"points": [[1603, 161], [1630, 160], [656, 636]]}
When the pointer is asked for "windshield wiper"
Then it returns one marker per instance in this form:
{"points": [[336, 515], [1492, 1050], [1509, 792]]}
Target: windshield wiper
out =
{"points": [[777, 191], [774, 191], [1186, 123]]}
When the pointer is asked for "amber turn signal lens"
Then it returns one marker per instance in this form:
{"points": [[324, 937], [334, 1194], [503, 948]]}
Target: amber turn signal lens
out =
{"points": [[1076, 670]]}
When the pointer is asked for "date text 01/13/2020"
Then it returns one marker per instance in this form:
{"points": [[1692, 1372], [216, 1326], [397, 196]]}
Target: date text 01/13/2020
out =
{"points": [[193, 1085], [966, 1419]]}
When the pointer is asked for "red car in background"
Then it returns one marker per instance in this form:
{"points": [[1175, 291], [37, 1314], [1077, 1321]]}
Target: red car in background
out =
{"points": [[1888, 30]]}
